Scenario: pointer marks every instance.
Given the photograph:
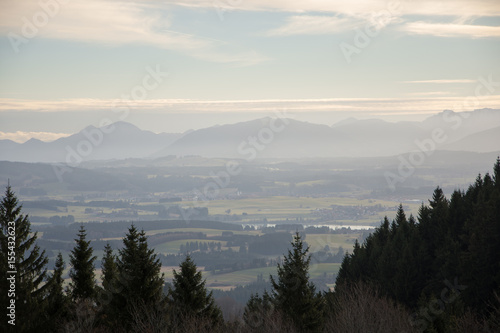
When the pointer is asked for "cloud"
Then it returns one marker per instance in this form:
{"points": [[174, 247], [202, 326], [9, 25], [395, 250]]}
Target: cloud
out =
{"points": [[459, 8], [21, 136], [113, 23], [452, 30], [321, 24], [350, 14], [431, 93], [443, 81], [149, 22], [415, 103], [314, 25]]}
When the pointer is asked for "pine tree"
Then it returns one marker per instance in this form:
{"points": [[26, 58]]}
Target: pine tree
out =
{"points": [[21, 260], [83, 285], [354, 266], [58, 301], [189, 298], [455, 240], [109, 269], [258, 310], [139, 284], [480, 263], [109, 277], [293, 294]]}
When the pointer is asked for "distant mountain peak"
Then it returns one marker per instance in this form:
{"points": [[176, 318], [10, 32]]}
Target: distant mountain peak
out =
{"points": [[466, 114], [345, 121], [120, 125], [33, 141], [88, 128], [124, 124]]}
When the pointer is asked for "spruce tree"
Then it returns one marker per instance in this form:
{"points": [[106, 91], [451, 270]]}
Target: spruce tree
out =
{"points": [[109, 269], [258, 311], [83, 285], [58, 302], [189, 298], [109, 277], [481, 262], [293, 294], [454, 248], [139, 284], [22, 262]]}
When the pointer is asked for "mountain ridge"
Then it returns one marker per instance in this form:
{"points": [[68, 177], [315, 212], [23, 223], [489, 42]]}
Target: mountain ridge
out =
{"points": [[264, 138]]}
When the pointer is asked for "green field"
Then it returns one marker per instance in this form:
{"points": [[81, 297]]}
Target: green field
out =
{"points": [[249, 209], [317, 242], [173, 247], [250, 275], [281, 207], [247, 276]]}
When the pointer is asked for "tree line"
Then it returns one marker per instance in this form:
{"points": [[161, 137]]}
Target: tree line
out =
{"points": [[438, 272], [442, 265], [130, 297]]}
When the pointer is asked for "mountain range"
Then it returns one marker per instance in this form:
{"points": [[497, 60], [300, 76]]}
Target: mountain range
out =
{"points": [[474, 131], [120, 140]]}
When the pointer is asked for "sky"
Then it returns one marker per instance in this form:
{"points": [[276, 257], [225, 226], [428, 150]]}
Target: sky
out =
{"points": [[171, 66]]}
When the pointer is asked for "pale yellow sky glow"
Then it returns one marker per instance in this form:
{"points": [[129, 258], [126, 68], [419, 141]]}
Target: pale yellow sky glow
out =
{"points": [[409, 105]]}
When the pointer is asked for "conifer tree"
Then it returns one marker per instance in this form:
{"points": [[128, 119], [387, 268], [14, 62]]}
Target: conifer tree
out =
{"points": [[109, 277], [480, 264], [188, 298], [83, 284], [258, 310], [139, 284], [454, 240], [293, 294], [22, 261], [109, 269], [58, 301]]}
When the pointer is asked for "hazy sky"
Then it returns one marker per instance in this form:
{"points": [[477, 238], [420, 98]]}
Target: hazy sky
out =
{"points": [[175, 65]]}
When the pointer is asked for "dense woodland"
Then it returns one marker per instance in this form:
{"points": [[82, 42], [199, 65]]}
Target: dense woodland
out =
{"points": [[437, 272]]}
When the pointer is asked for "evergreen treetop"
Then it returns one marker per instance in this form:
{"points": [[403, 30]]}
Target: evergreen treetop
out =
{"points": [[83, 284], [453, 240], [109, 268], [21, 257], [58, 301], [138, 285], [188, 296], [293, 294]]}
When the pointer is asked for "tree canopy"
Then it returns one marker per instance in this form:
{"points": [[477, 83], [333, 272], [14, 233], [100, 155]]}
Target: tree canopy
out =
{"points": [[452, 247], [22, 261], [83, 284], [188, 296]]}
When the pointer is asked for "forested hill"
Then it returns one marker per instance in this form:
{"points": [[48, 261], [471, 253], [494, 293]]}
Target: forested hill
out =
{"points": [[441, 264]]}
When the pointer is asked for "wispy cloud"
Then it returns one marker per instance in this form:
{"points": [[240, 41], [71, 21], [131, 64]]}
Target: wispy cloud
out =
{"points": [[445, 81], [429, 103], [315, 25], [21, 136], [456, 8], [112, 23], [452, 30], [323, 25], [431, 93], [341, 15]]}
